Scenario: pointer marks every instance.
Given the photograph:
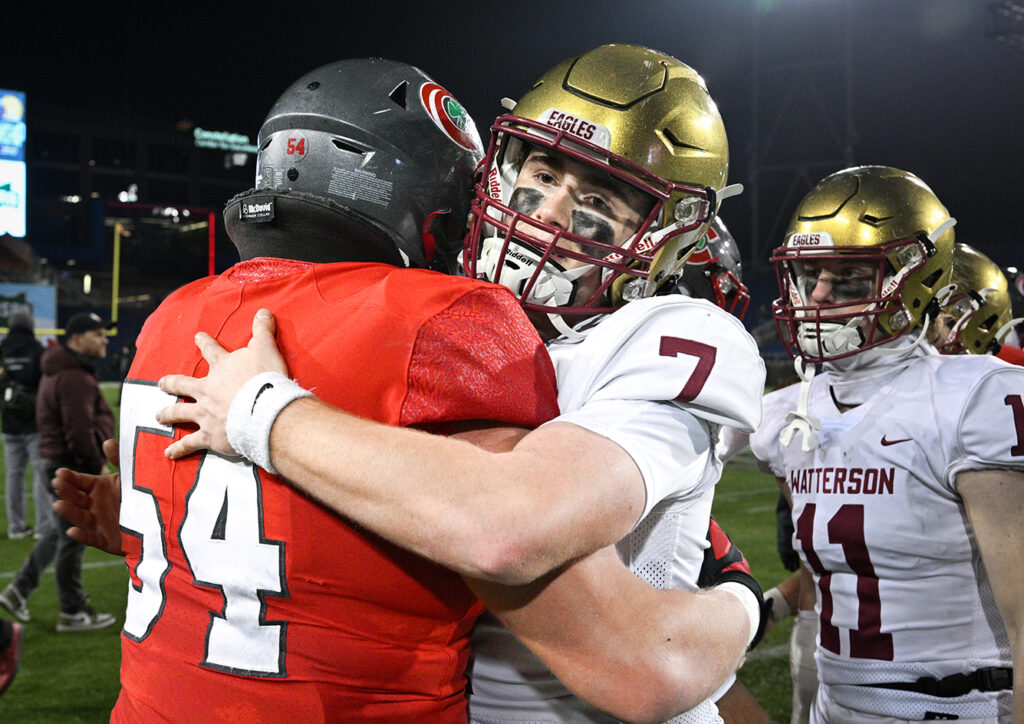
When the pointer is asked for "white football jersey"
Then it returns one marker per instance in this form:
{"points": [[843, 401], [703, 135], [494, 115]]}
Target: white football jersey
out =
{"points": [[658, 377], [656, 373], [901, 590]]}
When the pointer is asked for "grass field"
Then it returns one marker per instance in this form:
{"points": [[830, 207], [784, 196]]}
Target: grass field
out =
{"points": [[73, 677]]}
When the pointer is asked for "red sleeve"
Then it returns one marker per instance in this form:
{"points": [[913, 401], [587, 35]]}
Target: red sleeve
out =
{"points": [[481, 359], [1011, 354]]}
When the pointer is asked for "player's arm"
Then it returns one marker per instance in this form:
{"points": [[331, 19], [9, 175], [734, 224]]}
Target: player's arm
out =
{"points": [[630, 650], [562, 492], [994, 499], [92, 504], [633, 651]]}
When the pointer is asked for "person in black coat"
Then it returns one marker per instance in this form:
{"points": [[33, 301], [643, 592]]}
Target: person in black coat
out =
{"points": [[20, 353]]}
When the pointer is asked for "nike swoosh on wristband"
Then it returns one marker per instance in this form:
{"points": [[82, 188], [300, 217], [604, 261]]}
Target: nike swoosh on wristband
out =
{"points": [[886, 442], [269, 386]]}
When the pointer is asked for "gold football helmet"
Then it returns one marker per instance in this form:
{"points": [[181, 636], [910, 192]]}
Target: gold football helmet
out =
{"points": [[979, 304], [640, 117], [888, 225]]}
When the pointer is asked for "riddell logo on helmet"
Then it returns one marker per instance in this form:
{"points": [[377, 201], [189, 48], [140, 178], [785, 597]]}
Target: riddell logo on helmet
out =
{"points": [[520, 257], [493, 185]]}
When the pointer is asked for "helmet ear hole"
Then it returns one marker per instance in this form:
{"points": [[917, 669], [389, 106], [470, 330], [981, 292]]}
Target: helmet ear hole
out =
{"points": [[932, 279], [398, 95], [343, 146]]}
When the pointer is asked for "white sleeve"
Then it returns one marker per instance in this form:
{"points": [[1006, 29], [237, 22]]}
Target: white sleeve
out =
{"points": [[656, 377], [764, 442], [990, 432], [731, 442], [671, 448], [673, 349]]}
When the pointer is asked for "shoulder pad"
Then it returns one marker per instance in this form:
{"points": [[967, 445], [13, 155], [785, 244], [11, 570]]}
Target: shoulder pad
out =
{"points": [[667, 349]]}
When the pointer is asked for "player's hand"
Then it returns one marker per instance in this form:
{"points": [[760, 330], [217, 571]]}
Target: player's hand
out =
{"points": [[723, 561], [92, 504], [213, 394]]}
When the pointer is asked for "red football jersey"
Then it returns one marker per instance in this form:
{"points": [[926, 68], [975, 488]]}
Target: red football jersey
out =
{"points": [[248, 601]]}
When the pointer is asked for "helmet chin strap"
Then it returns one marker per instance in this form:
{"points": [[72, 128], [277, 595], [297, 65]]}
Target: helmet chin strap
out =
{"points": [[801, 420], [564, 329], [954, 332], [1005, 329], [829, 338]]}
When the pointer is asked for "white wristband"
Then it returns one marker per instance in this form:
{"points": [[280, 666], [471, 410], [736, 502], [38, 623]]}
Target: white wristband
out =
{"points": [[781, 608], [749, 601], [253, 411]]}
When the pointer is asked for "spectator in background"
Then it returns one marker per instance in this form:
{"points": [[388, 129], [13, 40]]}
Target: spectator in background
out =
{"points": [[74, 419], [20, 353]]}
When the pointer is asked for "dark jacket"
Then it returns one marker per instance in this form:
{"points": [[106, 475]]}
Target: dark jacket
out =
{"points": [[73, 417], [20, 353]]}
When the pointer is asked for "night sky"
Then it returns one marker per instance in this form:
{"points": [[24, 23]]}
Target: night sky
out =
{"points": [[929, 91]]}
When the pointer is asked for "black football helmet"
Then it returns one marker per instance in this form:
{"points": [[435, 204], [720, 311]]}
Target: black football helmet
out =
{"points": [[714, 271], [375, 144]]}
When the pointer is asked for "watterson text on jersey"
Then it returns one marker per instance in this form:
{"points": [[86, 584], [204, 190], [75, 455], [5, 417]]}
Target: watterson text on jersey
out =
{"points": [[842, 481]]}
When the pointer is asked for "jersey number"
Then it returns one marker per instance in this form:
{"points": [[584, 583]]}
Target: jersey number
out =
{"points": [[846, 528], [705, 354], [1017, 406], [221, 538]]}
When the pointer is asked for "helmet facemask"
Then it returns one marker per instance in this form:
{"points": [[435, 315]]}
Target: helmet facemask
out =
{"points": [[866, 285], [972, 326], [542, 263]]}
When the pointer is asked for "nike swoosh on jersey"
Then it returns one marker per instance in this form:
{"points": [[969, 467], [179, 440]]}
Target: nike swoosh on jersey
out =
{"points": [[893, 442]]}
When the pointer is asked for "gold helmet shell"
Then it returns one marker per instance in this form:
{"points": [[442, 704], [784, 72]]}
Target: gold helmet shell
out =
{"points": [[657, 109], [979, 305], [643, 117], [874, 214]]}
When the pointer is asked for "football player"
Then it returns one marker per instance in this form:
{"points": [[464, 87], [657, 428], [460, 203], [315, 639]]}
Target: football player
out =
{"points": [[975, 315], [905, 469], [595, 189], [714, 271], [248, 601]]}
